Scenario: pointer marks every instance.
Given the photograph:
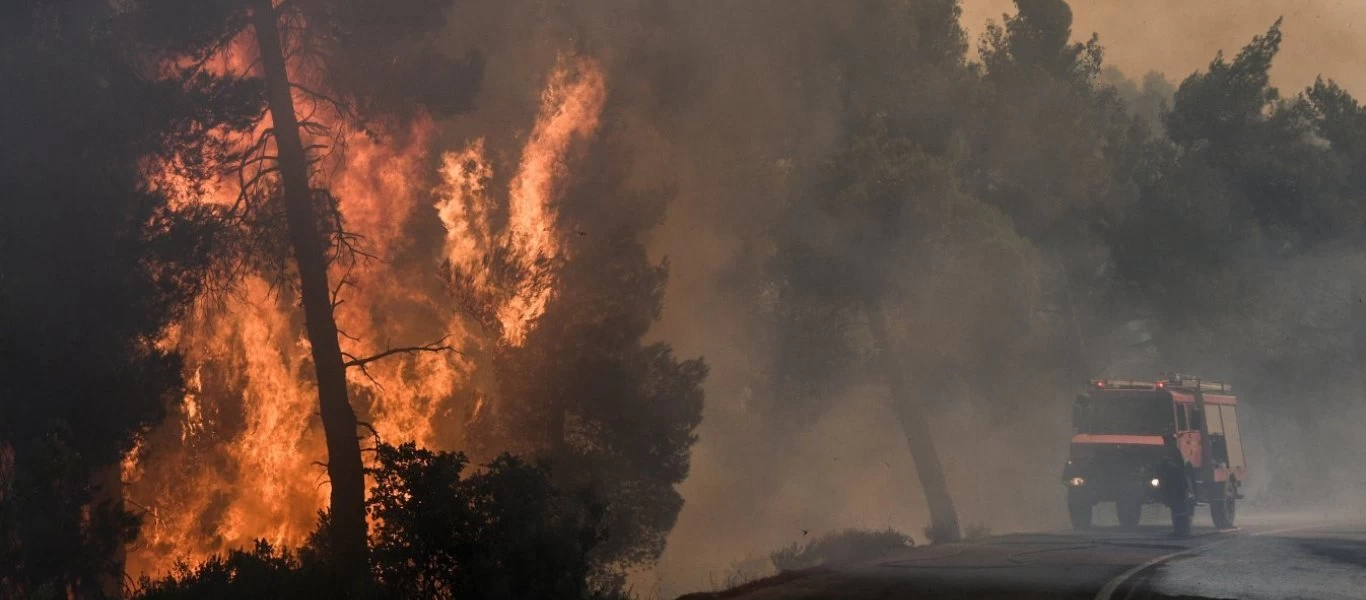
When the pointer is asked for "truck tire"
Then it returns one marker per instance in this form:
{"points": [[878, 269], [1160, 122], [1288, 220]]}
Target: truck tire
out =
{"points": [[1223, 504], [1130, 512], [1079, 511]]}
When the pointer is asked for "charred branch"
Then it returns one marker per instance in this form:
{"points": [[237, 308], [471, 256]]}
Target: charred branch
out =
{"points": [[338, 105], [433, 347]]}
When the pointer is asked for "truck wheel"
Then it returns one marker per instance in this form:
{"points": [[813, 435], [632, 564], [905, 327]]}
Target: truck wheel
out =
{"points": [[1079, 511], [1223, 505], [1130, 512]]}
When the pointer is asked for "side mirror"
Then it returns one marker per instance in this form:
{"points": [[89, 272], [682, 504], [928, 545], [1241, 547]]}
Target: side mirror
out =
{"points": [[1081, 408]]}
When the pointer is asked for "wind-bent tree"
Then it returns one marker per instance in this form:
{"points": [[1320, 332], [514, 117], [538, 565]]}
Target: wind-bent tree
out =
{"points": [[835, 266], [940, 281], [931, 197]]}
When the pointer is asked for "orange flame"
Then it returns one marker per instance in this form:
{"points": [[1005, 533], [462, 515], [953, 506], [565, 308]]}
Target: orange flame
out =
{"points": [[570, 108], [240, 459]]}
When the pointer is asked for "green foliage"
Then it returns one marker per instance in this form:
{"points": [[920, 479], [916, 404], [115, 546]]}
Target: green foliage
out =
{"points": [[1218, 107], [1036, 42], [1145, 99], [1248, 180]]}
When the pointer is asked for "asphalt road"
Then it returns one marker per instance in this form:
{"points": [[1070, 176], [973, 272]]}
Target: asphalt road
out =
{"points": [[1281, 557]]}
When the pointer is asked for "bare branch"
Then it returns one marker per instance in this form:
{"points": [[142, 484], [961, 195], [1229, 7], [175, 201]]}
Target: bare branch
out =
{"points": [[342, 282], [248, 184], [433, 347], [340, 106], [350, 358], [367, 425]]}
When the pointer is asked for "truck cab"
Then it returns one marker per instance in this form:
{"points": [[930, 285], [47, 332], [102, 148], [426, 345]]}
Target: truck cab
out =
{"points": [[1146, 442]]}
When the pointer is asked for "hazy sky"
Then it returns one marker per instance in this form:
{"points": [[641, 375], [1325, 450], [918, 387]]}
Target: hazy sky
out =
{"points": [[1179, 36]]}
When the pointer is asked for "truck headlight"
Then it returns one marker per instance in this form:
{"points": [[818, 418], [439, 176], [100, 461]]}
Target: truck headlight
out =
{"points": [[1075, 482], [1155, 482]]}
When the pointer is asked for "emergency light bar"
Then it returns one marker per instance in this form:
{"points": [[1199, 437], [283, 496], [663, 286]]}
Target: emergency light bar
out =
{"points": [[1187, 381], [1122, 384], [1176, 380]]}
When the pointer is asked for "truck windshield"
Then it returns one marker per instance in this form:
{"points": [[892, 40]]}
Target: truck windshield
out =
{"points": [[1135, 414]]}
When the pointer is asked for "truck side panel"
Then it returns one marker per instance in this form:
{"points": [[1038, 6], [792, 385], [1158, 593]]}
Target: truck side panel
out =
{"points": [[1233, 438]]}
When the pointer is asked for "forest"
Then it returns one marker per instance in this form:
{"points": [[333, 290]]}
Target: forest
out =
{"points": [[429, 299]]}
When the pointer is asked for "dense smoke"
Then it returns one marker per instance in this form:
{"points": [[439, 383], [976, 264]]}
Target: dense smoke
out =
{"points": [[741, 108], [727, 268], [717, 142]]}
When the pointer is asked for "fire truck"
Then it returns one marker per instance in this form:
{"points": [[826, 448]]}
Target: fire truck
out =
{"points": [[1172, 441]]}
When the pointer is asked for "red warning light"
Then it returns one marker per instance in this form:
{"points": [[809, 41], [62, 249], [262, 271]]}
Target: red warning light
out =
{"points": [[1100, 384]]}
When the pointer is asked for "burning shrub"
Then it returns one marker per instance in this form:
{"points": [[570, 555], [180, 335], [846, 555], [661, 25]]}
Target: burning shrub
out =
{"points": [[504, 532]]}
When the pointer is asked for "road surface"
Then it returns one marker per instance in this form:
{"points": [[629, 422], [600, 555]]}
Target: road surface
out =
{"points": [[1269, 558]]}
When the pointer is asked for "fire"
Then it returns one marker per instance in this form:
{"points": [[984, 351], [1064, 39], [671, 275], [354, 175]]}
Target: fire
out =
{"points": [[570, 107], [239, 459]]}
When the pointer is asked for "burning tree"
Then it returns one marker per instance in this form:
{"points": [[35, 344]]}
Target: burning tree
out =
{"points": [[97, 263], [274, 184], [613, 415], [399, 226]]}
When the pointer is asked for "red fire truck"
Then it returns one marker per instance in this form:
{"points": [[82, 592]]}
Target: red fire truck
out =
{"points": [[1146, 442]]}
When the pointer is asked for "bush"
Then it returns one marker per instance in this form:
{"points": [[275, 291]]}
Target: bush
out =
{"points": [[840, 548], [502, 533], [263, 572]]}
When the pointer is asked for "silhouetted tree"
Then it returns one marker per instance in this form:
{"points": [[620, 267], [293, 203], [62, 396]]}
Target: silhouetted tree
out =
{"points": [[335, 49], [611, 412], [503, 532], [96, 265]]}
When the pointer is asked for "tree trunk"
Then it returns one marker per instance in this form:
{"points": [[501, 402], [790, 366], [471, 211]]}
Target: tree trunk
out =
{"points": [[943, 517], [107, 487], [348, 527]]}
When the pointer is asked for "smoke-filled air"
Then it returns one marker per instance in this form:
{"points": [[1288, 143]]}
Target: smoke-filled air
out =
{"points": [[648, 299]]}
